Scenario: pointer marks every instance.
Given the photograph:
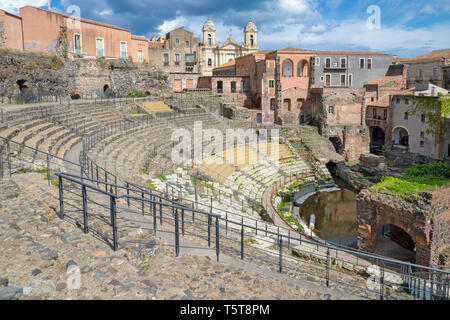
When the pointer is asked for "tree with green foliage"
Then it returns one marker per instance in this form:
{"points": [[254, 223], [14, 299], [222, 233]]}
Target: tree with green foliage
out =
{"points": [[435, 110]]}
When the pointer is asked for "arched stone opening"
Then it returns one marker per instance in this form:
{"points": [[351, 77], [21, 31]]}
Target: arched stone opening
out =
{"points": [[23, 84], [337, 144], [377, 139], [392, 241], [287, 68], [75, 95], [105, 87], [302, 68], [401, 137], [332, 167]]}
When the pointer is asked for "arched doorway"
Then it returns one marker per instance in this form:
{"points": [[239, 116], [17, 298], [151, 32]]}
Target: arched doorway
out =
{"points": [[377, 139], [337, 144], [75, 95], [23, 84], [394, 242], [401, 137], [287, 68]]}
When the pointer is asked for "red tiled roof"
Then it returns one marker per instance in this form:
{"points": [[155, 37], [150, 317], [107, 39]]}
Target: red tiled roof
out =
{"points": [[436, 54], [138, 37], [383, 80], [228, 64]]}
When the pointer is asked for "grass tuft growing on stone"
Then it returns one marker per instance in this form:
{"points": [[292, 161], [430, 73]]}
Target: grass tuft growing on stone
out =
{"points": [[417, 178]]}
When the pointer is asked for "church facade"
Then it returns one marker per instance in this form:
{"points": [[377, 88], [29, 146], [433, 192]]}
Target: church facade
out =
{"points": [[213, 55]]}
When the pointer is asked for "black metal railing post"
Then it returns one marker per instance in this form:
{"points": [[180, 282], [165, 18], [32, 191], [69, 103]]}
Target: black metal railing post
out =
{"points": [[182, 222], [143, 203], [209, 231], [85, 213], [61, 198], [217, 239], [8, 151], [177, 235], [160, 211], [113, 210], [382, 282], [242, 238], [48, 169], [328, 268]]}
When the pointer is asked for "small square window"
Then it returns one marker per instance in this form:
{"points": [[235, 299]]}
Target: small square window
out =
{"points": [[271, 83], [422, 134], [422, 144], [406, 101], [397, 100], [331, 110]]}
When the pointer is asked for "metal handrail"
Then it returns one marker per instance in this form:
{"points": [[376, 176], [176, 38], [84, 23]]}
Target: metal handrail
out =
{"points": [[416, 280]]}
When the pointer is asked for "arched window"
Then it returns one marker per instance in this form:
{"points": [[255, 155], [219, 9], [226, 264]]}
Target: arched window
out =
{"points": [[251, 40], [300, 69], [209, 39], [287, 68], [209, 62]]}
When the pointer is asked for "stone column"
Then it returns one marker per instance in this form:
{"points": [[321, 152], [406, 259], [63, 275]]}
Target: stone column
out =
{"points": [[2, 36], [278, 93]]}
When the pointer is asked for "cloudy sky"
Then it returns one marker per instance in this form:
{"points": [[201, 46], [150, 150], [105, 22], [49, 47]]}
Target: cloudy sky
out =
{"points": [[407, 28]]}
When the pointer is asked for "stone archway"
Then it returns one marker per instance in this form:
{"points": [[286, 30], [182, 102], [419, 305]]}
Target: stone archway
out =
{"points": [[375, 210], [337, 144], [394, 242], [75, 95], [23, 84], [401, 137], [377, 139]]}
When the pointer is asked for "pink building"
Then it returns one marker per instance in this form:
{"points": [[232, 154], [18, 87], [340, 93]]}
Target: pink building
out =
{"points": [[276, 84], [11, 35], [85, 38]]}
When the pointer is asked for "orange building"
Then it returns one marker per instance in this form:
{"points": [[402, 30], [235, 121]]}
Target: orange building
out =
{"points": [[11, 35], [85, 38]]}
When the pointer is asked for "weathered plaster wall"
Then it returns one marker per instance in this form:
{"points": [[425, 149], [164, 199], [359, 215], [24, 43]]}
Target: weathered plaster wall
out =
{"points": [[50, 74], [424, 219]]}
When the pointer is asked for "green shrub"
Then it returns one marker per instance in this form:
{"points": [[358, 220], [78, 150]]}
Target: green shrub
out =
{"points": [[150, 184], [417, 178], [161, 177]]}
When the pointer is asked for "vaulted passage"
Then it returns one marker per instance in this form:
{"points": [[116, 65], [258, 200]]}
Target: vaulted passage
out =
{"points": [[337, 144], [377, 140], [394, 242], [23, 84]]}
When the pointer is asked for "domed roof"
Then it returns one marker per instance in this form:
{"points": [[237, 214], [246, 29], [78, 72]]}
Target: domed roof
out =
{"points": [[209, 26], [250, 26]]}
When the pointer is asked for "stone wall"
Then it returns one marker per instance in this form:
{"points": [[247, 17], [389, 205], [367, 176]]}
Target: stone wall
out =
{"points": [[354, 139], [425, 219], [51, 74]]}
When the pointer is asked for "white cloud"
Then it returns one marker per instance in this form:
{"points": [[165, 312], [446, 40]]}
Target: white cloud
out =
{"points": [[297, 6], [14, 5], [354, 33], [106, 12], [428, 9]]}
